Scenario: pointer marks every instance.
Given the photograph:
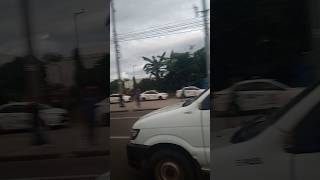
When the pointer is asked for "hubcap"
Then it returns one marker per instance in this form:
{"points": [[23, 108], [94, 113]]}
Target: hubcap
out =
{"points": [[168, 170]]}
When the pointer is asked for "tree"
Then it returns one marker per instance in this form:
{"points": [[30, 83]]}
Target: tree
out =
{"points": [[13, 79], [114, 86], [154, 67]]}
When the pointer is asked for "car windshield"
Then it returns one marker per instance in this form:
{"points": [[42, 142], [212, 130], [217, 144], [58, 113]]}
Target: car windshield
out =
{"points": [[259, 124], [191, 100]]}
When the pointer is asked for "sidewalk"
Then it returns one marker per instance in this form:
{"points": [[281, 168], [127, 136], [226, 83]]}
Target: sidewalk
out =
{"points": [[66, 142], [144, 105]]}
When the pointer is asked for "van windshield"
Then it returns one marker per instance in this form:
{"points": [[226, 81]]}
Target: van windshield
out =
{"points": [[259, 124], [191, 100]]}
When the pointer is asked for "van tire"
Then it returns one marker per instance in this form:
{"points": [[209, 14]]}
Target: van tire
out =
{"points": [[170, 162]]}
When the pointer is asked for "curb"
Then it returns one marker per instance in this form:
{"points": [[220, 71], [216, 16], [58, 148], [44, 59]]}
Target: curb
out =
{"points": [[134, 110], [92, 153], [145, 109], [29, 157], [120, 111]]}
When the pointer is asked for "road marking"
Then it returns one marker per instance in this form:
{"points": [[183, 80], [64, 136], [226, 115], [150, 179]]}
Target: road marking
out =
{"points": [[119, 137], [126, 118], [60, 177]]}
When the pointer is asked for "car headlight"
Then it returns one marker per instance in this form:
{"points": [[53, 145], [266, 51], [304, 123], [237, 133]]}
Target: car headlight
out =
{"points": [[134, 133]]}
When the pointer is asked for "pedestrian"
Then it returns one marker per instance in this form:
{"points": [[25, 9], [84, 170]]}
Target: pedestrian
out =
{"points": [[90, 100], [137, 93], [183, 95], [37, 124]]}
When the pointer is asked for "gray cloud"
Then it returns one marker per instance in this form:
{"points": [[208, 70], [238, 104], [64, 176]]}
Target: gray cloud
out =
{"points": [[132, 15], [54, 21]]}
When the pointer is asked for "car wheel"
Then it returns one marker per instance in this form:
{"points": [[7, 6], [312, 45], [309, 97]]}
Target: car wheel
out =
{"points": [[160, 98], [143, 99], [167, 164]]}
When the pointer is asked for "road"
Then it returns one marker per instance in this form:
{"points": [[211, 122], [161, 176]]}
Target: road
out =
{"points": [[62, 141], [67, 168], [119, 136]]}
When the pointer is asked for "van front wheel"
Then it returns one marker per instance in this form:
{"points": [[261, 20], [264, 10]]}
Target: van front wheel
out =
{"points": [[172, 165]]}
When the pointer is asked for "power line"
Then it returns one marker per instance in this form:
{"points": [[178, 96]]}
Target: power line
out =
{"points": [[143, 35], [156, 26], [161, 28], [165, 29], [163, 35]]}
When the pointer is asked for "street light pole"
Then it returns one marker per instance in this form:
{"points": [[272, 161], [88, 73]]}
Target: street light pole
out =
{"points": [[133, 70], [75, 15], [117, 52]]}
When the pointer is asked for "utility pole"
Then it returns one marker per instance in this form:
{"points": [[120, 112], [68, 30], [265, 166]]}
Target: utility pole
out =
{"points": [[117, 51], [32, 70], [206, 35]]}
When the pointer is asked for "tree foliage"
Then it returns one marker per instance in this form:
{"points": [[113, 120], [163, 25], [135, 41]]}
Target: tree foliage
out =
{"points": [[156, 67], [178, 70]]}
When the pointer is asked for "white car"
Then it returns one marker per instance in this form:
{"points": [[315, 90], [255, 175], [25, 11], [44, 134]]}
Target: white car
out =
{"points": [[153, 95], [251, 95], [282, 146], [190, 91], [115, 98], [15, 116], [102, 112], [173, 142]]}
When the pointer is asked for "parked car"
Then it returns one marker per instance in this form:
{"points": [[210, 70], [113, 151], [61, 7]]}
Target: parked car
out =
{"points": [[251, 95], [16, 116], [102, 112], [173, 142], [190, 91], [153, 95], [282, 146], [115, 98]]}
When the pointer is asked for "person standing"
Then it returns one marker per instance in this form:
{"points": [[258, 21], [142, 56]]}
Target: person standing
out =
{"points": [[90, 101], [37, 124], [137, 93]]}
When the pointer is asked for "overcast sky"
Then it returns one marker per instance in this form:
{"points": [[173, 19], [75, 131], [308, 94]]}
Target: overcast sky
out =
{"points": [[53, 27], [133, 15]]}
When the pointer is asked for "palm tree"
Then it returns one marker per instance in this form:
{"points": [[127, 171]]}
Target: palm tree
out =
{"points": [[154, 67]]}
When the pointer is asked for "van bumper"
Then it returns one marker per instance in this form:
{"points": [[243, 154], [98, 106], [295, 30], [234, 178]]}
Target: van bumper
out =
{"points": [[136, 154]]}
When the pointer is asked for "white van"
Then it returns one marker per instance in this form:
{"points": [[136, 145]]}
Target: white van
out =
{"points": [[283, 146], [173, 142]]}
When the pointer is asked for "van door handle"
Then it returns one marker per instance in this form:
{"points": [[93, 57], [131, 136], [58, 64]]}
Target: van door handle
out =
{"points": [[188, 112]]}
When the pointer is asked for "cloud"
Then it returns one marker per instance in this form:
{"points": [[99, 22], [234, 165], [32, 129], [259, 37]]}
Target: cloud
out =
{"points": [[53, 26], [141, 14]]}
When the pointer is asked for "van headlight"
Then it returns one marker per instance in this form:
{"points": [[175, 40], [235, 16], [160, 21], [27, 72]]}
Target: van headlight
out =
{"points": [[134, 133]]}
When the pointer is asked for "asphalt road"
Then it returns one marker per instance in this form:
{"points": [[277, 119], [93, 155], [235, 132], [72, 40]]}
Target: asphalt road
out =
{"points": [[120, 124], [55, 169]]}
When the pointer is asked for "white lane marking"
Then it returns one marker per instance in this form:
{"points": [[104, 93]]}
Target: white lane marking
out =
{"points": [[126, 118], [119, 137], [59, 177]]}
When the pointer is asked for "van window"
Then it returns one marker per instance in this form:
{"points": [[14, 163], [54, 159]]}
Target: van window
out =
{"points": [[205, 105], [306, 137]]}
